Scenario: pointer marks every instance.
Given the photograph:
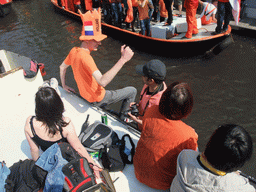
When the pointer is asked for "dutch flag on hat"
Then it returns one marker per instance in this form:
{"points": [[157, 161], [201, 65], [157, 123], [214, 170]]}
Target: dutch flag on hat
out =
{"points": [[88, 28]]}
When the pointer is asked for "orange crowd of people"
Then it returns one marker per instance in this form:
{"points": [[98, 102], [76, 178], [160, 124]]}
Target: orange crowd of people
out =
{"points": [[124, 13]]}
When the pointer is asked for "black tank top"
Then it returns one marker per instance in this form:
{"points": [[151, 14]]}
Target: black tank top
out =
{"points": [[43, 143]]}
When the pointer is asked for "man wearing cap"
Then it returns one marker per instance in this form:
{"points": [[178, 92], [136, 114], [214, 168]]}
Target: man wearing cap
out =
{"points": [[89, 79], [153, 75]]}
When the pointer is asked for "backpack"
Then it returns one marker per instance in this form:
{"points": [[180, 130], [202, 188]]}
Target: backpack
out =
{"points": [[25, 176], [115, 157], [68, 152], [102, 139], [78, 175], [96, 136]]}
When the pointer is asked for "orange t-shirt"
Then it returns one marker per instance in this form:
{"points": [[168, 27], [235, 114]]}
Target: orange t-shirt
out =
{"points": [[159, 145], [83, 67], [143, 11], [134, 3]]}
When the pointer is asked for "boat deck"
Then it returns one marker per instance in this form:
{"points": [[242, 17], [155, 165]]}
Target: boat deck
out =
{"points": [[18, 103]]}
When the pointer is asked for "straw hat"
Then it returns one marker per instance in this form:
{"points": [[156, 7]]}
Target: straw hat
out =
{"points": [[91, 26]]}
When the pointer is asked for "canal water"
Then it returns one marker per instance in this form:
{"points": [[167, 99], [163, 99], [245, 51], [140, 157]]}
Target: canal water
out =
{"points": [[223, 86]]}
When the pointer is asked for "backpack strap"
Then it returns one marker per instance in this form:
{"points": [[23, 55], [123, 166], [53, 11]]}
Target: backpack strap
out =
{"points": [[127, 161]]}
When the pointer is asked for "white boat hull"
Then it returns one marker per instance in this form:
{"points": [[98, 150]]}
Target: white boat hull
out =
{"points": [[17, 103]]}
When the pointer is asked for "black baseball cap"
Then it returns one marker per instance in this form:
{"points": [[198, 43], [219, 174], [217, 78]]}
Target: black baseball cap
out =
{"points": [[154, 69]]}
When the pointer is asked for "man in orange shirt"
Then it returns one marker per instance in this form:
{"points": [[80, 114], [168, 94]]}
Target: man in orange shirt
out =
{"points": [[89, 79], [164, 136]]}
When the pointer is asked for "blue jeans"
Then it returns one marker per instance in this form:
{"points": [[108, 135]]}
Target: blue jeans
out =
{"points": [[224, 14], [126, 95], [150, 11], [145, 26], [117, 13]]}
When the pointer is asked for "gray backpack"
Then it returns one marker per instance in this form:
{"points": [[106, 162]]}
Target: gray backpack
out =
{"points": [[95, 136]]}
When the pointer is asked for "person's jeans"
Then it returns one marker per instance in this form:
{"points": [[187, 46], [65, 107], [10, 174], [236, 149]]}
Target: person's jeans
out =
{"points": [[117, 13], [224, 14], [107, 12], [150, 11], [126, 95], [168, 5], [145, 26]]}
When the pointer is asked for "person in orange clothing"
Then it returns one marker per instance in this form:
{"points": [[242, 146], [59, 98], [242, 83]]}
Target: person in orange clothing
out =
{"points": [[77, 4], [153, 75], [164, 136], [129, 13], [191, 8], [144, 18], [163, 11], [135, 13], [88, 4], [209, 11], [89, 79]]}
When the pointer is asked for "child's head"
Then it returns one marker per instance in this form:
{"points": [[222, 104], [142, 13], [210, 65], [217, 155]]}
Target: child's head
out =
{"points": [[229, 148], [177, 101]]}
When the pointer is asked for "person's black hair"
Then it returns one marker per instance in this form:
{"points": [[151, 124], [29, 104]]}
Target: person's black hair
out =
{"points": [[229, 148], [157, 81], [176, 101], [49, 109]]}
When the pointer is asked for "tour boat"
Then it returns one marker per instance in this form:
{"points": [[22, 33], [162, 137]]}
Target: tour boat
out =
{"points": [[163, 39], [18, 102]]}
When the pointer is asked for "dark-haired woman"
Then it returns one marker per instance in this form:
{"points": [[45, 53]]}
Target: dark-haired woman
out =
{"points": [[49, 126]]}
